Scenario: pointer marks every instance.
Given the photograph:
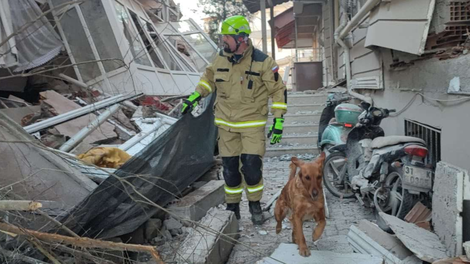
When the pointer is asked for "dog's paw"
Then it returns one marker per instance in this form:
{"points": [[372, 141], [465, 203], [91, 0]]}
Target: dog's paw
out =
{"points": [[315, 242], [304, 251]]}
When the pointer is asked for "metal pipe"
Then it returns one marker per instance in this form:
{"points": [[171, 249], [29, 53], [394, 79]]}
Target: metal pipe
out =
{"points": [[358, 17], [343, 32], [139, 137], [56, 120], [86, 131], [273, 44], [263, 25]]}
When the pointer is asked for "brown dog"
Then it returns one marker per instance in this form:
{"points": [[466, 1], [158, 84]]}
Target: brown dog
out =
{"points": [[302, 197]]}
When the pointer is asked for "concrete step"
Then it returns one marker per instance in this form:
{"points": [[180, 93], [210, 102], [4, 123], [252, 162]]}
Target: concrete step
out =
{"points": [[274, 151], [297, 98], [295, 108], [307, 128], [299, 139], [297, 118]]}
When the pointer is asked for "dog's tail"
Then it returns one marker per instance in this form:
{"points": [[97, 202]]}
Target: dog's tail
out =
{"points": [[293, 170]]}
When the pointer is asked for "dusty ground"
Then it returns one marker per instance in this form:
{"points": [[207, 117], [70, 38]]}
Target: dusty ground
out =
{"points": [[256, 243]]}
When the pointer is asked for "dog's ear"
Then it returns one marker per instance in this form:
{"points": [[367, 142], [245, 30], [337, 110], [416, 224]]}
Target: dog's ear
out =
{"points": [[321, 158], [320, 161], [297, 162]]}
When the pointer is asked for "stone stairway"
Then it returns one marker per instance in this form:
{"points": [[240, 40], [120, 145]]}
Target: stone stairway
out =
{"points": [[301, 125]]}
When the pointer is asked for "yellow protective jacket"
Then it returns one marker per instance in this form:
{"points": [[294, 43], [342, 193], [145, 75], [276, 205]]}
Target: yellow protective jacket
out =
{"points": [[243, 89]]}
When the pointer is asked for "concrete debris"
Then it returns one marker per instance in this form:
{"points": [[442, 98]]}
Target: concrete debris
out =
{"points": [[18, 113], [172, 223], [456, 260], [368, 238], [289, 253], [419, 215], [152, 228], [424, 244], [195, 205], [466, 246], [447, 204], [211, 242], [262, 232]]}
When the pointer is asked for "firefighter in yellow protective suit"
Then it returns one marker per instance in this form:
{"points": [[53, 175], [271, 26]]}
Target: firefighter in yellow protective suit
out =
{"points": [[244, 79]]}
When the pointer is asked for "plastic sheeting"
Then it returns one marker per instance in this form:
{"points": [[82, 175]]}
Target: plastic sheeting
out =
{"points": [[159, 173], [36, 42]]}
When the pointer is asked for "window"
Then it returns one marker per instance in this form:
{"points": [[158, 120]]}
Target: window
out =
{"points": [[200, 43], [79, 45], [135, 45], [187, 52], [153, 55], [170, 61], [184, 26], [102, 34], [430, 134]]}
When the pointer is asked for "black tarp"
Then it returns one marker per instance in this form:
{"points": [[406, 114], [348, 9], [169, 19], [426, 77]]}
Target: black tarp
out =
{"points": [[177, 158]]}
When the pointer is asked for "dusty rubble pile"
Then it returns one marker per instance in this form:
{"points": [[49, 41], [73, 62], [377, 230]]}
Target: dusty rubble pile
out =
{"points": [[63, 149]]}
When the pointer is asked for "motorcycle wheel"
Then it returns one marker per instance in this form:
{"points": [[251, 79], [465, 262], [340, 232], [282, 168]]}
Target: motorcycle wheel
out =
{"points": [[330, 177], [392, 198]]}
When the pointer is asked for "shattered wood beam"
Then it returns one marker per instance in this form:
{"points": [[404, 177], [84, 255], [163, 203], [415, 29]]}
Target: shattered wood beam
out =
{"points": [[82, 241], [56, 120], [18, 256], [45, 252], [17, 205]]}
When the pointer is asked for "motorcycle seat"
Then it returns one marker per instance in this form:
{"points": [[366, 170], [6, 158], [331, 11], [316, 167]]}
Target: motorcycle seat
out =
{"points": [[382, 142]]}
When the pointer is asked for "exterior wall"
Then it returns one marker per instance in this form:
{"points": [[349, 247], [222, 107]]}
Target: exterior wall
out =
{"points": [[430, 77]]}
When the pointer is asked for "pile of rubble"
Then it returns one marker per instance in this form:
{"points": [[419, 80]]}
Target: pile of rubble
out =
{"points": [[61, 150]]}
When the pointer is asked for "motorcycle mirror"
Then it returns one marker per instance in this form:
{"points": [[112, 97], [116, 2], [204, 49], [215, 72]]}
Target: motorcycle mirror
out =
{"points": [[365, 105]]}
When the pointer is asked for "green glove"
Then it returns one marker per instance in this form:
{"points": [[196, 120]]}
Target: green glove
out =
{"points": [[276, 130], [191, 102]]}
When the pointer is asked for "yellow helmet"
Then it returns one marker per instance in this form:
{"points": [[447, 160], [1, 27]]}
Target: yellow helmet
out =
{"points": [[235, 25]]}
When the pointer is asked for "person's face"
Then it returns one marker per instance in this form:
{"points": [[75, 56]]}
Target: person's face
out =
{"points": [[229, 43]]}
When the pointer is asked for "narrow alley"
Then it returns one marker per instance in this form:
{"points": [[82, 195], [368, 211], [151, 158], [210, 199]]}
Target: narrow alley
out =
{"points": [[164, 131]]}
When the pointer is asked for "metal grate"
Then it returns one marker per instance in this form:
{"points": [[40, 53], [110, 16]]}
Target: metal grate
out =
{"points": [[430, 134]]}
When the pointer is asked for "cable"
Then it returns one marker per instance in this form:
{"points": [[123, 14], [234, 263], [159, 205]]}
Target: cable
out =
{"points": [[459, 100]]}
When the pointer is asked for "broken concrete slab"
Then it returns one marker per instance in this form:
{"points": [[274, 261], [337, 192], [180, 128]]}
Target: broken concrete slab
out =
{"points": [[208, 243], [172, 223], [424, 244], [17, 114], [466, 246], [152, 228], [195, 205], [447, 204], [368, 238], [31, 172], [456, 260], [289, 253]]}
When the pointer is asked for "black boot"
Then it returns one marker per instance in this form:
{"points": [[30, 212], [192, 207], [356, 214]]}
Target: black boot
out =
{"points": [[234, 207], [256, 213]]}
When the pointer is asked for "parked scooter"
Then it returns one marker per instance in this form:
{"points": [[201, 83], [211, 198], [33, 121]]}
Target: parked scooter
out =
{"points": [[336, 121], [386, 173]]}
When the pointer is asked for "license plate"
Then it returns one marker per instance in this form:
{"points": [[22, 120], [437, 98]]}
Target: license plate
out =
{"points": [[417, 177]]}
